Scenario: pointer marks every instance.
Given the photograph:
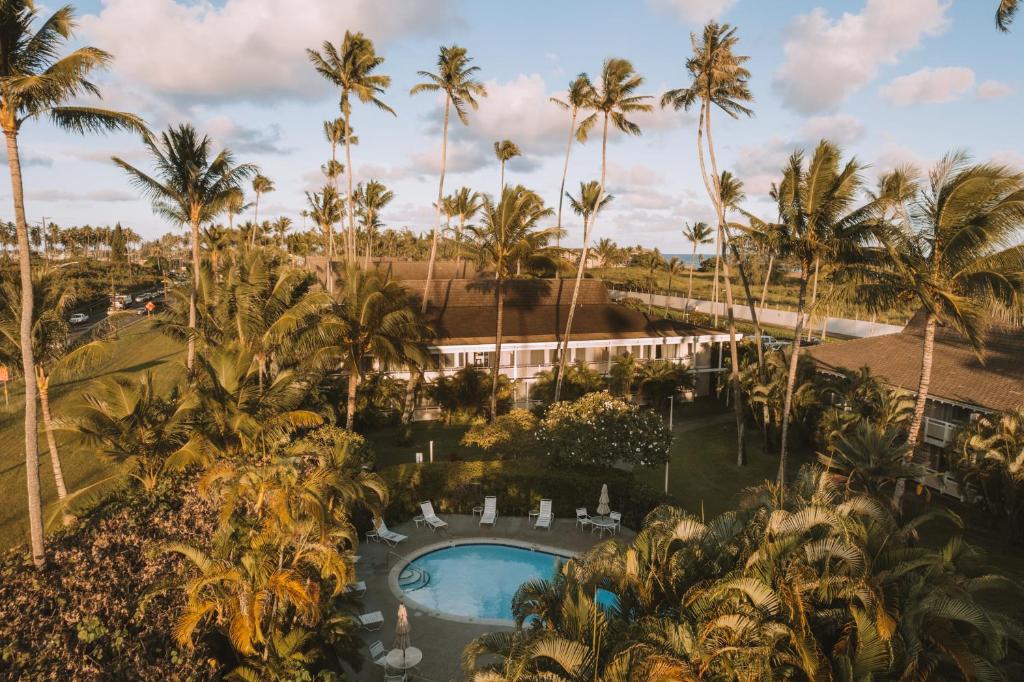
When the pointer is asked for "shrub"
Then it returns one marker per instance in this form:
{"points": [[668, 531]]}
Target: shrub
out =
{"points": [[337, 437], [510, 435], [579, 380], [604, 430], [457, 487], [465, 396]]}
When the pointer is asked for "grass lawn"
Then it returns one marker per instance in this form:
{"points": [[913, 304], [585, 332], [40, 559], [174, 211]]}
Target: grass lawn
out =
{"points": [[138, 349], [387, 443]]}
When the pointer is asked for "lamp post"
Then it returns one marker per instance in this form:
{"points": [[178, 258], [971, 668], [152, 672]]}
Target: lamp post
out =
{"points": [[671, 406]]}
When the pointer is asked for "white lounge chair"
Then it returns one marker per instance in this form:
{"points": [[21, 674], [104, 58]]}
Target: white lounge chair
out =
{"points": [[430, 517], [378, 654], [389, 536], [490, 511], [396, 677], [356, 588], [617, 518], [372, 621], [545, 516], [582, 517]]}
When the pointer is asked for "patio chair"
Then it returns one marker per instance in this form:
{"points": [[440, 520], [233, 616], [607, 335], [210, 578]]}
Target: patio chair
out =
{"points": [[396, 677], [356, 588], [582, 517], [490, 511], [617, 518], [372, 621], [378, 654], [430, 517], [389, 536], [545, 517]]}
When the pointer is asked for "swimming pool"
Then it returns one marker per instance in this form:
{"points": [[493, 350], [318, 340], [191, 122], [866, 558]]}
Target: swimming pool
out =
{"points": [[475, 580]]}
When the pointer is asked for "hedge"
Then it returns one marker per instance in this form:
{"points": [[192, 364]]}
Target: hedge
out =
{"points": [[457, 487]]}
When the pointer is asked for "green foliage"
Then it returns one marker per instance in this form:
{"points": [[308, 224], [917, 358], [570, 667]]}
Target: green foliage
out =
{"points": [[579, 380], [358, 451], [991, 469], [604, 430], [464, 396], [510, 435]]}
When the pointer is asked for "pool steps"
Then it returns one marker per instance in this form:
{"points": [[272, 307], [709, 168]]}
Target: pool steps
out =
{"points": [[412, 579]]}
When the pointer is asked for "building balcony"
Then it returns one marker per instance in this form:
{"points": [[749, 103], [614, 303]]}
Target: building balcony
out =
{"points": [[938, 432]]}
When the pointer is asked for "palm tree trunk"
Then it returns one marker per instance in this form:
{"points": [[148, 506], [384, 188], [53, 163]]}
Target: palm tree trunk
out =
{"points": [[714, 284], [440, 195], [351, 242], [35, 505], [502, 190], [410, 395], [588, 228], [767, 277], [925, 381], [458, 243], [669, 292], [499, 330], [689, 288], [561, 187], [42, 381], [794, 360], [193, 300], [715, 190], [350, 408], [814, 299], [255, 219]]}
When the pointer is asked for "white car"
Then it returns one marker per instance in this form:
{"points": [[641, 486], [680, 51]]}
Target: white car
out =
{"points": [[142, 297], [78, 318]]}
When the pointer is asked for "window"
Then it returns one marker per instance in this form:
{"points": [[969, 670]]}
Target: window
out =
{"points": [[537, 357], [481, 359]]}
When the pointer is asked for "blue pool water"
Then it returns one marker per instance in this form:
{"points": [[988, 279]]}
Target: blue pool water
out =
{"points": [[479, 580]]}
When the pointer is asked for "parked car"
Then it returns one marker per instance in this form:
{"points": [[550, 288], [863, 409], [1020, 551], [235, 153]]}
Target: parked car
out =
{"points": [[772, 343], [142, 297], [78, 318]]}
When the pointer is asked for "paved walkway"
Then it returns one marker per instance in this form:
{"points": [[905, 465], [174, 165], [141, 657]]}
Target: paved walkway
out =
{"points": [[441, 640]]}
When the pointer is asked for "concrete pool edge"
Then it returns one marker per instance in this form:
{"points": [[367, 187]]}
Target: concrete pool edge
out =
{"points": [[447, 544]]}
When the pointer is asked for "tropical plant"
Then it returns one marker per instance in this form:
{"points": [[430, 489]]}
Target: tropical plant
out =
{"points": [[351, 68], [505, 150], [1005, 13], [325, 208], [457, 80], [261, 184], [579, 380], [190, 188], [36, 82], [697, 234], [465, 204], [465, 396], [660, 380], [622, 374], [371, 198], [673, 267], [956, 258], [505, 237], [578, 97], [590, 202], [871, 457], [511, 435]]}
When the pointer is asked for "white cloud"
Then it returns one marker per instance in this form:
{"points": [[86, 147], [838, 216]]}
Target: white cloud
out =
{"points": [[842, 129], [1009, 157], [828, 59], [994, 90], [518, 110], [929, 86], [758, 166], [695, 11], [894, 155], [244, 139], [242, 48], [60, 195]]}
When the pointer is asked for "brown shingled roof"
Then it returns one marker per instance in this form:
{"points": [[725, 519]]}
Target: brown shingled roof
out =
{"points": [[957, 373]]}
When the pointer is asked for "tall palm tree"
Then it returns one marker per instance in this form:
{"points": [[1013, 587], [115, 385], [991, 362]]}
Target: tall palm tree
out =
{"points": [[577, 99], [718, 79], [351, 68], [820, 220], [457, 80], [372, 197], [334, 132], [281, 226], [698, 234], [189, 188], [325, 209], [673, 267], [499, 240], [951, 258], [653, 261], [1005, 14], [36, 82], [466, 203], [589, 203], [261, 184], [505, 150]]}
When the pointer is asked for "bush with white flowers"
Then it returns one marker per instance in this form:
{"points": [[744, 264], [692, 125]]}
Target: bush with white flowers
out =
{"points": [[602, 429]]}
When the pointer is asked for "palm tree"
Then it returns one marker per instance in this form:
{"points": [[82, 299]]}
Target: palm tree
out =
{"points": [[587, 205], [351, 68], [371, 321], [334, 131], [577, 99], [505, 150], [718, 78], [673, 267], [281, 226], [261, 184], [507, 229], [698, 234], [188, 188], [457, 80], [371, 198], [325, 209], [607, 252], [820, 221], [35, 82], [653, 261], [1005, 14], [466, 203], [951, 257]]}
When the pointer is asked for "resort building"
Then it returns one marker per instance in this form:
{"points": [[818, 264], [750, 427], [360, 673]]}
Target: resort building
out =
{"points": [[962, 386], [462, 312]]}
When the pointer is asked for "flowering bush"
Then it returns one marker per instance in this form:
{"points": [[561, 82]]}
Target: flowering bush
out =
{"points": [[602, 429], [510, 435]]}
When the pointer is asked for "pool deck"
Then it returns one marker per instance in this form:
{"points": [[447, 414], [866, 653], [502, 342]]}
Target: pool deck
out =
{"points": [[442, 639]]}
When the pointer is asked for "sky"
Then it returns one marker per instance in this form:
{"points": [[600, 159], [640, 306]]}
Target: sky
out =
{"points": [[892, 81]]}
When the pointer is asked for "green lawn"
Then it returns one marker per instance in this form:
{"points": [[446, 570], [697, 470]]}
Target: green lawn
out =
{"points": [[138, 349], [388, 444]]}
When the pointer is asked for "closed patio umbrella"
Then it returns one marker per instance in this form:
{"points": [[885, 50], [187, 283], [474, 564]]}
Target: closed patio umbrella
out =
{"points": [[402, 629], [602, 503]]}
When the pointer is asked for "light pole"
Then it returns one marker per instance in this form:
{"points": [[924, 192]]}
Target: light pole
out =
{"points": [[671, 406]]}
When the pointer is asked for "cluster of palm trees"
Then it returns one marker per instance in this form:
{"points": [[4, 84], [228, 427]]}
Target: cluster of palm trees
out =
{"points": [[85, 240], [818, 580]]}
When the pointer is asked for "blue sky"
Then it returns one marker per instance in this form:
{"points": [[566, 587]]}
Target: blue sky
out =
{"points": [[893, 82]]}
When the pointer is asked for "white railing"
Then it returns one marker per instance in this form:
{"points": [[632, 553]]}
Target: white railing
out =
{"points": [[938, 432]]}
